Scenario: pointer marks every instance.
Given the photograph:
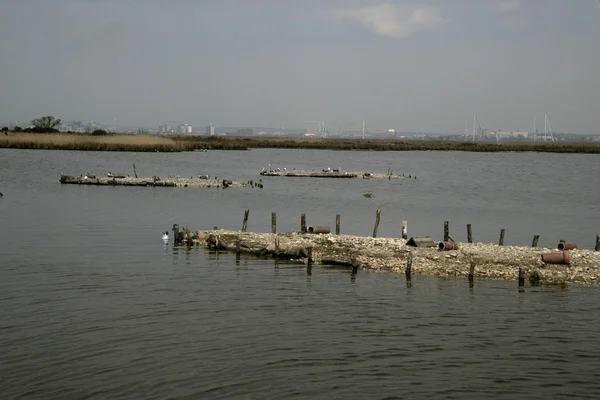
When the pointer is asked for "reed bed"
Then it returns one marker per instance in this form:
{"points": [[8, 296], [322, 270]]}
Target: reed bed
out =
{"points": [[232, 142], [70, 141], [159, 143]]}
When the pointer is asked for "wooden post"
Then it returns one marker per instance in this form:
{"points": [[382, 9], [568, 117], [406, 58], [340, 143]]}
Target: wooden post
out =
{"points": [[237, 252], [273, 222], [597, 248], [471, 273], [134, 172], [303, 223], [337, 224], [469, 234], [354, 266], [534, 243], [501, 241], [245, 223], [521, 277], [376, 223], [309, 260], [404, 230], [409, 261], [446, 231]]}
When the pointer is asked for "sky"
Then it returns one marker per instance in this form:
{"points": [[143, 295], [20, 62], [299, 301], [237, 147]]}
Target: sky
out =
{"points": [[414, 66]]}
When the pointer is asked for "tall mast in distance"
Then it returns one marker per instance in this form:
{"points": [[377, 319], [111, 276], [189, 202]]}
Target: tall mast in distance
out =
{"points": [[364, 129]]}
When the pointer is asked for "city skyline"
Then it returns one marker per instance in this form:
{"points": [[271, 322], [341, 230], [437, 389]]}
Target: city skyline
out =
{"points": [[425, 66]]}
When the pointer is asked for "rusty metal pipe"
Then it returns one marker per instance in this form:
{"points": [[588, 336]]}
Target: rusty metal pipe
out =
{"points": [[560, 257], [566, 246], [319, 229], [448, 246]]}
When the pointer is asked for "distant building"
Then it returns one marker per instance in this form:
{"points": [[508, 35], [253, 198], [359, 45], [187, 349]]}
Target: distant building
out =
{"points": [[188, 128], [163, 128], [210, 130]]}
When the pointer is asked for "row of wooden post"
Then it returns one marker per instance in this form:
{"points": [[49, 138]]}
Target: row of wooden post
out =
{"points": [[471, 276], [447, 236], [534, 242], [337, 223]]}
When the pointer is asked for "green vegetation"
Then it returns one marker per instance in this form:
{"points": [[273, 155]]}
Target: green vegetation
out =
{"points": [[101, 140], [235, 143], [46, 124]]}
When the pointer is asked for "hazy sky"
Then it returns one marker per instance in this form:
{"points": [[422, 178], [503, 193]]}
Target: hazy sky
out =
{"points": [[411, 65]]}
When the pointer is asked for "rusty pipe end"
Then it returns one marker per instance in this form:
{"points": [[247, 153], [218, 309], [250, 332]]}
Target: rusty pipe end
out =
{"points": [[448, 246], [566, 246], [561, 257]]}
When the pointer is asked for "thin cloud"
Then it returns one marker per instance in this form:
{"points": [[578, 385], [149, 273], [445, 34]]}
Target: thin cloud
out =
{"points": [[508, 6], [393, 20]]}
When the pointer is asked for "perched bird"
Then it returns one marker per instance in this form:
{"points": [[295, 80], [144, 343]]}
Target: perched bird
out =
{"points": [[165, 236], [368, 194]]}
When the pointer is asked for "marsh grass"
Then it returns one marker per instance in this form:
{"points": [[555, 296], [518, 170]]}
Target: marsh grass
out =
{"points": [[159, 143], [229, 142], [70, 141]]}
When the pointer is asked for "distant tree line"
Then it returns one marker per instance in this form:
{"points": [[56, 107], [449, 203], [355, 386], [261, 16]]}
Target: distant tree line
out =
{"points": [[48, 124], [45, 124]]}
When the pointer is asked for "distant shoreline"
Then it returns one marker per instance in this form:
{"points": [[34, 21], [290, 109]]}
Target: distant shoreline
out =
{"points": [[161, 143]]}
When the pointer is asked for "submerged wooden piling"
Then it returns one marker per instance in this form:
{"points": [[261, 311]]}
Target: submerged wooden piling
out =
{"points": [[134, 171], [354, 266], [337, 224], [245, 223], [521, 277], [404, 230], [376, 222], [469, 234], [303, 223], [309, 259], [501, 241], [597, 248], [446, 231], [408, 270], [471, 273], [534, 243], [273, 223]]}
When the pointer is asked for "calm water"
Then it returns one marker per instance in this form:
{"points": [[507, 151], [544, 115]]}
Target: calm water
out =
{"points": [[93, 305]]}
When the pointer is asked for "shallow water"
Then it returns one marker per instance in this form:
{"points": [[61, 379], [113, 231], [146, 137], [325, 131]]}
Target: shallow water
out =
{"points": [[94, 305]]}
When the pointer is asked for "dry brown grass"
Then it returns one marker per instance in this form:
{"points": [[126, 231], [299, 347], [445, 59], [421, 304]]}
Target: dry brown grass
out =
{"points": [[70, 141]]}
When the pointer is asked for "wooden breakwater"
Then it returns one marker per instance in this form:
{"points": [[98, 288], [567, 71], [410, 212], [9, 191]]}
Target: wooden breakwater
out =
{"points": [[471, 260], [419, 255], [328, 173], [152, 182]]}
